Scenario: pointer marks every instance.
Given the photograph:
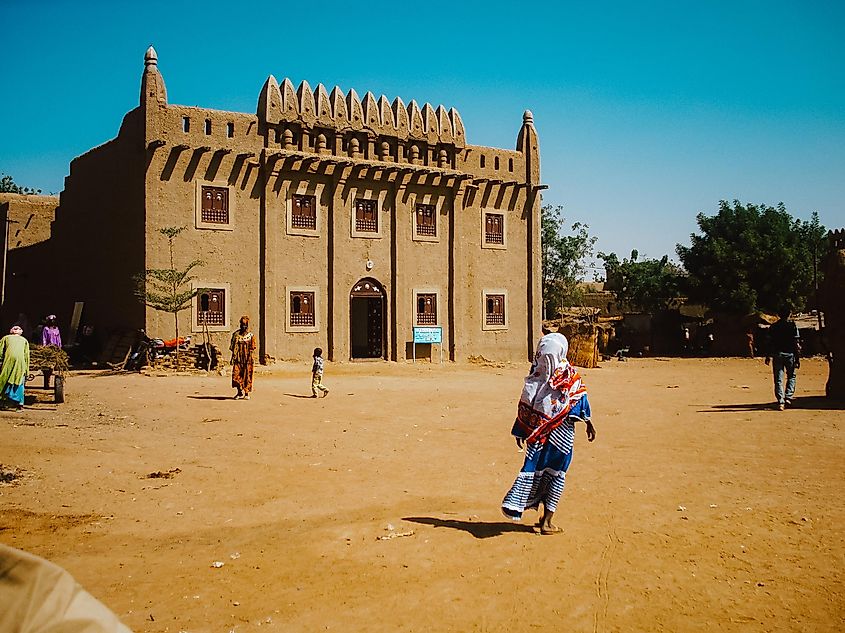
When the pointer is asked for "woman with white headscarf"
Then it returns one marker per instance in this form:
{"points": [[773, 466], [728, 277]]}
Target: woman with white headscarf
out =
{"points": [[553, 400], [14, 366]]}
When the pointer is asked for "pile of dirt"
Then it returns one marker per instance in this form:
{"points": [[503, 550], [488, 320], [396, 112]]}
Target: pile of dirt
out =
{"points": [[9, 475], [484, 362], [169, 474]]}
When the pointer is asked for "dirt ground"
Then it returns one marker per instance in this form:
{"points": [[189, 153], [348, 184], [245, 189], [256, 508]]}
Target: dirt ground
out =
{"points": [[698, 507]]}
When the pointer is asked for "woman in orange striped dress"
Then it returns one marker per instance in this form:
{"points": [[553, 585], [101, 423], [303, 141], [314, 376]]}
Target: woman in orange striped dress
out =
{"points": [[243, 352]]}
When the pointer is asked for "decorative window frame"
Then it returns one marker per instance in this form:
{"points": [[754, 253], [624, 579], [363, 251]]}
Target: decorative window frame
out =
{"points": [[426, 291], [486, 292], [304, 189], [437, 202], [198, 223], [227, 323], [317, 314], [376, 195], [484, 243]]}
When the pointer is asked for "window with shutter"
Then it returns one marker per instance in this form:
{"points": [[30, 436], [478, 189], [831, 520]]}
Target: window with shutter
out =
{"points": [[366, 216], [426, 309], [215, 205], [211, 307], [495, 310], [494, 228], [302, 309], [426, 220], [303, 212]]}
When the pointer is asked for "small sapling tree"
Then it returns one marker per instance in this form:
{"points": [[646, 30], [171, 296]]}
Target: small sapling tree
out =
{"points": [[168, 289]]}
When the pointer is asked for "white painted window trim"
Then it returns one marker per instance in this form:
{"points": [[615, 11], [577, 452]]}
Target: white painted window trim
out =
{"points": [[317, 315], [198, 206], [426, 291], [227, 288], [379, 197], [499, 247], [484, 294], [304, 189]]}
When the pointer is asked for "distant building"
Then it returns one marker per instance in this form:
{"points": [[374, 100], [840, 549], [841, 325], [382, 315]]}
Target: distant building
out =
{"points": [[26, 219], [332, 220]]}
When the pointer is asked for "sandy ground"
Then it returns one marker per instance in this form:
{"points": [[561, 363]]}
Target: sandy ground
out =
{"points": [[698, 508]]}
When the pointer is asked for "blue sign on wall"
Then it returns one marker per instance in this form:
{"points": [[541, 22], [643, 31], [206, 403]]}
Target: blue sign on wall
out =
{"points": [[428, 334]]}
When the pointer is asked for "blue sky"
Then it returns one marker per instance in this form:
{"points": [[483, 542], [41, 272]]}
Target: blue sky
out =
{"points": [[647, 112]]}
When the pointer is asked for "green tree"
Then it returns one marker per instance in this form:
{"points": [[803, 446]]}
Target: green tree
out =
{"points": [[8, 185], [168, 289], [752, 257], [564, 257], [648, 285]]}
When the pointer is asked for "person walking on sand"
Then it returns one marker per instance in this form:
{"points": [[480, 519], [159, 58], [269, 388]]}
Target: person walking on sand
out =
{"points": [[317, 374], [14, 366], [784, 353], [242, 348], [552, 401]]}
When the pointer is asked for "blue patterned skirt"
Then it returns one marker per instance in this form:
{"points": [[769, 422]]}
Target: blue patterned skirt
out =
{"points": [[543, 474]]}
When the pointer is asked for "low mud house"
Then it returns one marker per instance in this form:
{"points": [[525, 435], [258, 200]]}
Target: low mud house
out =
{"points": [[832, 301], [332, 220], [26, 289]]}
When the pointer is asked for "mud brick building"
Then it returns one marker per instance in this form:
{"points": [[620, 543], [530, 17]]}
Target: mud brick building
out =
{"points": [[333, 220], [26, 220]]}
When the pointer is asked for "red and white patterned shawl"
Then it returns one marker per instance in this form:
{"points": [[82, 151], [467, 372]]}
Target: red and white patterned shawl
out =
{"points": [[551, 390]]}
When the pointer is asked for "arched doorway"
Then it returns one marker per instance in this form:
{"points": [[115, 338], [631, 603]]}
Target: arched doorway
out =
{"points": [[367, 314]]}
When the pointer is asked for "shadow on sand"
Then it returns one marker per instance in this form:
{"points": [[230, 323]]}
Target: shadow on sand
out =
{"points": [[477, 529], [211, 397], [810, 403], [297, 395]]}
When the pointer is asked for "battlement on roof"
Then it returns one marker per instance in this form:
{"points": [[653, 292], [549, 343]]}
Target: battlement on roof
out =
{"points": [[836, 239], [282, 104], [337, 123]]}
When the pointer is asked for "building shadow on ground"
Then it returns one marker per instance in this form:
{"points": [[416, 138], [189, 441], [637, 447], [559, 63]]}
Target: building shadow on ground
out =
{"points": [[810, 403], [477, 528]]}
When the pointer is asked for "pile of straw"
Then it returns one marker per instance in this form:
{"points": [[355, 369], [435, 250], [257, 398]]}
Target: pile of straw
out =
{"points": [[49, 357]]}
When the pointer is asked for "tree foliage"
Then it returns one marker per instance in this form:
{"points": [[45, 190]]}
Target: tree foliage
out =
{"points": [[8, 185], [168, 289], [649, 285], [752, 257], [564, 255]]}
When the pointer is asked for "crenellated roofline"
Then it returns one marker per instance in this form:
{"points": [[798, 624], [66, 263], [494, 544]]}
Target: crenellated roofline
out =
{"points": [[282, 104], [324, 123]]}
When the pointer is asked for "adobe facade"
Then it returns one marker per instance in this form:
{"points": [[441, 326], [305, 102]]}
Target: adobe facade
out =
{"points": [[334, 221], [26, 219]]}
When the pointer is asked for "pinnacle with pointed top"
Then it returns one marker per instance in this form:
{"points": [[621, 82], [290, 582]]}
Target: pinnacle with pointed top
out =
{"points": [[528, 117], [152, 83], [151, 57]]}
